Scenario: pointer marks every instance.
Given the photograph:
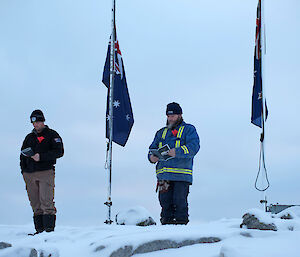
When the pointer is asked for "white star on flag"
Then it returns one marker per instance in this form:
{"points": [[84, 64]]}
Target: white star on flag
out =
{"points": [[259, 96], [127, 117], [107, 117], [116, 103]]}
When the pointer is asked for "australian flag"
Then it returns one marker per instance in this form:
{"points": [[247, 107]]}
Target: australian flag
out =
{"points": [[257, 101], [122, 111]]}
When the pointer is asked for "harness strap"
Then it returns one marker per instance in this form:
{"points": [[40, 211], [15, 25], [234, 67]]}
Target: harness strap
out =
{"points": [[179, 135]]}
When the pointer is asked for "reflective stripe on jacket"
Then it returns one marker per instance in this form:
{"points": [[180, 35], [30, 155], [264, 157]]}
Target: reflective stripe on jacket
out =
{"points": [[186, 143]]}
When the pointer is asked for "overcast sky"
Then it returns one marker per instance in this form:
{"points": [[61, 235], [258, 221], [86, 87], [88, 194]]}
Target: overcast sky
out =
{"points": [[197, 53]]}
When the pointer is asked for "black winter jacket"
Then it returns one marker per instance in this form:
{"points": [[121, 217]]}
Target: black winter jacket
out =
{"points": [[48, 144]]}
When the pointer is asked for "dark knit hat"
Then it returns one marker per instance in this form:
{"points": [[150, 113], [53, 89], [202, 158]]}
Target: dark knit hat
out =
{"points": [[173, 108], [37, 115]]}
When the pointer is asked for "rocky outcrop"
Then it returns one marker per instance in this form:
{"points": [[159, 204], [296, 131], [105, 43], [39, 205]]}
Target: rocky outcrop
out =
{"points": [[157, 245], [168, 244], [253, 222], [4, 245]]}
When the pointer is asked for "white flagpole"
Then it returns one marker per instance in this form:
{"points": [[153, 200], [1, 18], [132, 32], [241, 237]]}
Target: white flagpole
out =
{"points": [[111, 93], [263, 53]]}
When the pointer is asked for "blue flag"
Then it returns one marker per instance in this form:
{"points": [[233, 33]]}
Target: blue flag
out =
{"points": [[122, 111], [257, 101]]}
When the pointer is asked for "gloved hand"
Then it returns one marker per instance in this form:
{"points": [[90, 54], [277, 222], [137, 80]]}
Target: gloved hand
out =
{"points": [[162, 186], [153, 159]]}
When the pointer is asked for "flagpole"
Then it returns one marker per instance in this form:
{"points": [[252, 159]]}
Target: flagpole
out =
{"points": [[111, 93], [263, 52]]}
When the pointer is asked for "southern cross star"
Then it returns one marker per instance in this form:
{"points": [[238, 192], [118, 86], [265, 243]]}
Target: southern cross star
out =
{"points": [[259, 96], [116, 103]]}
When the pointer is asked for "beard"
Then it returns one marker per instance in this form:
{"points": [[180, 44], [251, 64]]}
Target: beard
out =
{"points": [[174, 124]]}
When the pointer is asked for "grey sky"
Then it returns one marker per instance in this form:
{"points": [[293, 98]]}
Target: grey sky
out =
{"points": [[198, 53]]}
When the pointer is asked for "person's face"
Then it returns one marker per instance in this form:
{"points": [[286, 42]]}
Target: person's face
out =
{"points": [[172, 118], [38, 125]]}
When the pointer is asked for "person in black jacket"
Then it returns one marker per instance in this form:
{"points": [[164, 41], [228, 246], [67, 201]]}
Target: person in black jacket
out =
{"points": [[39, 152]]}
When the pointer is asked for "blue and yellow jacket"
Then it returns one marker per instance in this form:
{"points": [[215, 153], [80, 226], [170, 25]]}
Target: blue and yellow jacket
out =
{"points": [[185, 140]]}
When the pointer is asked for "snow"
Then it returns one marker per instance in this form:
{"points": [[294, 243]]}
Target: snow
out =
{"points": [[265, 217], [83, 241], [281, 224], [294, 212], [133, 216]]}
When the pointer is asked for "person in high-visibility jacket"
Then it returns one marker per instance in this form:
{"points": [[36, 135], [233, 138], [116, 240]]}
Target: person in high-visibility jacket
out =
{"points": [[175, 175]]}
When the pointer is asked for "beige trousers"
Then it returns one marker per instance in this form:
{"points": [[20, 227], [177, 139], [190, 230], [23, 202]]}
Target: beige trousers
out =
{"points": [[40, 189]]}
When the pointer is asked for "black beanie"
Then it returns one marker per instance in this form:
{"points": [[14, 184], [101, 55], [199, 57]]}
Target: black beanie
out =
{"points": [[37, 115], [173, 108]]}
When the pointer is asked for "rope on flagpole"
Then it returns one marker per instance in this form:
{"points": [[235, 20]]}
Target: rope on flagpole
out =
{"points": [[262, 167]]}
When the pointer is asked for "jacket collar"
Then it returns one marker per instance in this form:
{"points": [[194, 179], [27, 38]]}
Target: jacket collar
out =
{"points": [[179, 125], [42, 132]]}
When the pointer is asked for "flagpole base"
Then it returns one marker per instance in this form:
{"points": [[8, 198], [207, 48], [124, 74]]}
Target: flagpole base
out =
{"points": [[108, 204]]}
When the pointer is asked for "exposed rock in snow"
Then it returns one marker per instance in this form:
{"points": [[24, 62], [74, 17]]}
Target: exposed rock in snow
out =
{"points": [[253, 222], [4, 245], [158, 245], [289, 213], [285, 220], [222, 238], [245, 234], [138, 216], [33, 253]]}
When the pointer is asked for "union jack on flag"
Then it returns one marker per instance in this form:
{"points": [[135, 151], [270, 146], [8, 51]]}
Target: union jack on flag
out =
{"points": [[257, 101]]}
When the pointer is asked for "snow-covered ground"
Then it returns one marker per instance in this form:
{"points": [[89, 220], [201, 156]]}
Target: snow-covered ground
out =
{"points": [[105, 240]]}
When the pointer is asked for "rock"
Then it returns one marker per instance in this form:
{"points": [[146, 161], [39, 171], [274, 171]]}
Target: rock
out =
{"points": [[168, 244], [286, 217], [138, 216], [148, 222], [100, 248], [34, 253], [245, 234], [4, 245], [158, 245], [155, 245], [125, 251], [252, 222], [289, 213]]}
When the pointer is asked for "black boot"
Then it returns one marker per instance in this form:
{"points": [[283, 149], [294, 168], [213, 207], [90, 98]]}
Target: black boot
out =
{"points": [[167, 221], [38, 223], [49, 222], [181, 221]]}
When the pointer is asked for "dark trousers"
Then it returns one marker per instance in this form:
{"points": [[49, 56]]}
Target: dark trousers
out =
{"points": [[173, 202]]}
